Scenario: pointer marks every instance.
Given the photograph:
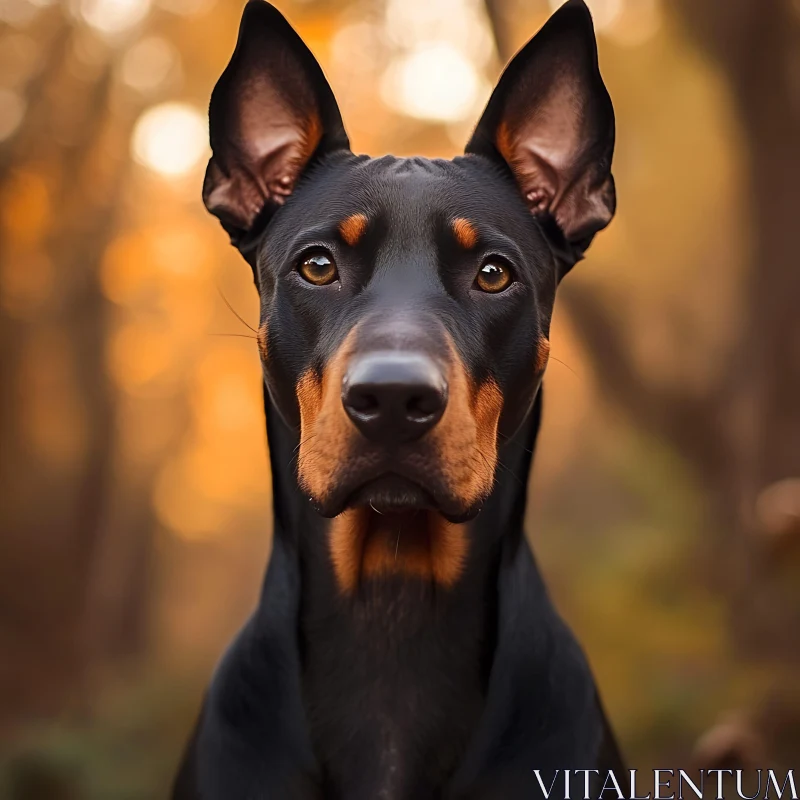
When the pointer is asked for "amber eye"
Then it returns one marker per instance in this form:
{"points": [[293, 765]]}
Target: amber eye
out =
{"points": [[493, 277], [318, 269]]}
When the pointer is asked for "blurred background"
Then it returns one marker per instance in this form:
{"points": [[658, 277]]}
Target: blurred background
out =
{"points": [[134, 485]]}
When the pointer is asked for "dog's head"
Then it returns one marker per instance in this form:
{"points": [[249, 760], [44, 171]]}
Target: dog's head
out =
{"points": [[406, 303]]}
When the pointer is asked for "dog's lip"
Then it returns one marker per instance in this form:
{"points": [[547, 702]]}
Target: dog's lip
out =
{"points": [[390, 492]]}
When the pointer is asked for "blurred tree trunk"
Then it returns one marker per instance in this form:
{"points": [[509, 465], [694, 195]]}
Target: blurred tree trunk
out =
{"points": [[757, 44], [742, 438], [60, 541]]}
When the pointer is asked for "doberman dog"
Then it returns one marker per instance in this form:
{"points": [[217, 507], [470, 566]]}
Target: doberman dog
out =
{"points": [[404, 646]]}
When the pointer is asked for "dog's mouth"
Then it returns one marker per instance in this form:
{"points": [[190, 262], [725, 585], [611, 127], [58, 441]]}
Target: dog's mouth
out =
{"points": [[391, 494]]}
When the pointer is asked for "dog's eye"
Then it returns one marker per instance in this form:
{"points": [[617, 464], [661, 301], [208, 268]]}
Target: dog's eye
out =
{"points": [[493, 277], [318, 269]]}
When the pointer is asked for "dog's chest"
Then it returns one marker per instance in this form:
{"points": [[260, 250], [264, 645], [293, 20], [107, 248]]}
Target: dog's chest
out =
{"points": [[395, 748], [391, 704]]}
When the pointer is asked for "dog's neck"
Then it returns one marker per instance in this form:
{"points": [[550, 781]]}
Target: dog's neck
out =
{"points": [[397, 647]]}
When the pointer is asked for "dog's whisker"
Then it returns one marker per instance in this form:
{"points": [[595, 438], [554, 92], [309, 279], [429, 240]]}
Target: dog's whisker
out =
{"points": [[509, 439], [499, 463], [295, 452], [306, 440], [510, 472], [564, 364], [236, 335], [235, 312]]}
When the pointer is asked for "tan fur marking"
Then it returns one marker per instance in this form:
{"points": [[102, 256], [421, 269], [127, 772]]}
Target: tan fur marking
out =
{"points": [[346, 542], [526, 170], [465, 440], [353, 228], [309, 396], [325, 430], [486, 408], [542, 354], [422, 545], [505, 146], [465, 233], [261, 338], [448, 551]]}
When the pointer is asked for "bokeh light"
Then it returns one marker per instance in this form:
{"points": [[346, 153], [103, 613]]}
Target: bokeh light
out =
{"points": [[186, 7], [20, 13], [171, 139], [441, 50], [434, 82], [365, 38], [149, 64], [638, 22], [111, 17], [462, 23]]}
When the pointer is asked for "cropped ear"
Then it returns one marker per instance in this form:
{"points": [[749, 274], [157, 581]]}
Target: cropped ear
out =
{"points": [[272, 112], [551, 121]]}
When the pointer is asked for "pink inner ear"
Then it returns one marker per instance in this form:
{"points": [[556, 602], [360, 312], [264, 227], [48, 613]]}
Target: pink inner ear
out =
{"points": [[554, 169], [550, 153], [534, 176], [270, 151]]}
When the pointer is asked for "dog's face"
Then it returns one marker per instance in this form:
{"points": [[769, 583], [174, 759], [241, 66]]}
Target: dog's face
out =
{"points": [[406, 303], [405, 326]]}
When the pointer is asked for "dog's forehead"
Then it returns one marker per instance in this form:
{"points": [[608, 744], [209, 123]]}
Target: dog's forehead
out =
{"points": [[395, 205], [414, 190]]}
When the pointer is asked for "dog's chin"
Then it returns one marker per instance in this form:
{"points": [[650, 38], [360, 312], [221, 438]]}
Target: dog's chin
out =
{"points": [[394, 494], [391, 494]]}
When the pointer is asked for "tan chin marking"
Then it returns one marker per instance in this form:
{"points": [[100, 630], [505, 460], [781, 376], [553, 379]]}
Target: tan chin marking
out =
{"points": [[542, 354], [465, 233], [353, 228], [420, 544], [325, 430]]}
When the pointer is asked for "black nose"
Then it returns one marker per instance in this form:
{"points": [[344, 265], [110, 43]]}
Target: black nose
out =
{"points": [[394, 397]]}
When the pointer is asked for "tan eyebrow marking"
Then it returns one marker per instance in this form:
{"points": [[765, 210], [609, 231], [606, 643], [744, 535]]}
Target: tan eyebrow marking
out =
{"points": [[465, 233], [352, 228]]}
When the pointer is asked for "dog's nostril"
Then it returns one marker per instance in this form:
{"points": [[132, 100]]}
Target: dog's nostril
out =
{"points": [[421, 406], [363, 402]]}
